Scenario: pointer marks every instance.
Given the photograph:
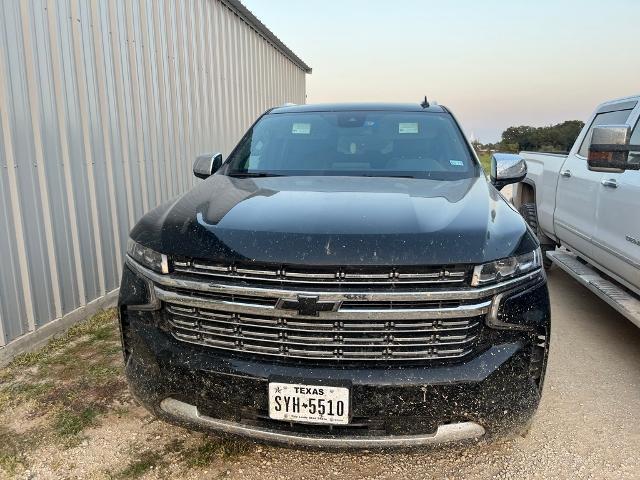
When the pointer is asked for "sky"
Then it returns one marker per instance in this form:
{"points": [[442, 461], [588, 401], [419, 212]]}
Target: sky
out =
{"points": [[494, 63]]}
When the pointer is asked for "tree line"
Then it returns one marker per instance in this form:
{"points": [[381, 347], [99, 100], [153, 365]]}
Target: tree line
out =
{"points": [[557, 138]]}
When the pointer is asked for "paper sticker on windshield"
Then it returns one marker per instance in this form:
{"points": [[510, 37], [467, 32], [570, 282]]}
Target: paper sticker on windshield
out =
{"points": [[457, 163], [408, 127], [301, 129]]}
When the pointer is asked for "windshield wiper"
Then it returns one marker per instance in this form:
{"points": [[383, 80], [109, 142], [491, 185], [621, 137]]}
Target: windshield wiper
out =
{"points": [[386, 176], [253, 174]]}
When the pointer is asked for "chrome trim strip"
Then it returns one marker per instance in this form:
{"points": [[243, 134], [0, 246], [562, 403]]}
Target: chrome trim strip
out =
{"points": [[213, 268], [316, 325], [332, 279], [336, 296], [441, 354], [392, 276], [311, 275], [462, 311], [492, 319], [293, 341], [246, 271], [372, 276], [494, 322], [372, 355], [453, 432]]}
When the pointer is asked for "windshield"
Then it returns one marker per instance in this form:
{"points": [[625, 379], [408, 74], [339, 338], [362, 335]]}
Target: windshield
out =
{"points": [[358, 143]]}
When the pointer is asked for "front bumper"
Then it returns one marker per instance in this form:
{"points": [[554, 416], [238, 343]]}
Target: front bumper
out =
{"points": [[392, 406], [490, 393], [189, 414]]}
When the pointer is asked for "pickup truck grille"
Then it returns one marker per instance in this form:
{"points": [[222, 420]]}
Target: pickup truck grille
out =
{"points": [[334, 314], [324, 321], [322, 316], [324, 338], [445, 276]]}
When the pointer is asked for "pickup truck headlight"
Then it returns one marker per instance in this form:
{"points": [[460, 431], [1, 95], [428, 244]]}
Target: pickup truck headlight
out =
{"points": [[506, 268], [147, 257]]}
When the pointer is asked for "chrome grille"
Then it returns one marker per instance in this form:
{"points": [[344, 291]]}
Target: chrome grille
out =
{"points": [[325, 322], [327, 276], [353, 335]]}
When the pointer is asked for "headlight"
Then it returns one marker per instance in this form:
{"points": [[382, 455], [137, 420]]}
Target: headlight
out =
{"points": [[147, 257], [506, 268]]}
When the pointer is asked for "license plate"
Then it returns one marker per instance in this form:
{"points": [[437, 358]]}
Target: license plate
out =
{"points": [[309, 403]]}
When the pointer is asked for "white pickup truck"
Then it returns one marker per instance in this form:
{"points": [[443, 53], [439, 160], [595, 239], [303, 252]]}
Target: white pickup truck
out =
{"points": [[589, 203]]}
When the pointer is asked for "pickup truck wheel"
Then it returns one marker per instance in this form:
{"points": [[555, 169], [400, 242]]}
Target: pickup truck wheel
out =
{"points": [[530, 215]]}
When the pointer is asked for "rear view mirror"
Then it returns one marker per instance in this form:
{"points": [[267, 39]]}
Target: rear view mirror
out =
{"points": [[609, 149], [507, 168], [207, 165]]}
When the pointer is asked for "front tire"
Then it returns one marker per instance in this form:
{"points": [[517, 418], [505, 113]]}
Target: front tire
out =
{"points": [[530, 215]]}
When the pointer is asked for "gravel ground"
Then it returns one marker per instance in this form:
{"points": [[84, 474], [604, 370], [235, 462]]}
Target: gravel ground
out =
{"points": [[587, 425]]}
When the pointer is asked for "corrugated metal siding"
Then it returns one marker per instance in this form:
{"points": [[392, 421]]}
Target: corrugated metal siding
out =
{"points": [[103, 107]]}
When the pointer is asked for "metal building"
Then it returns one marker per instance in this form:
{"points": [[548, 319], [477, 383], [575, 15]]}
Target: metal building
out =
{"points": [[103, 107]]}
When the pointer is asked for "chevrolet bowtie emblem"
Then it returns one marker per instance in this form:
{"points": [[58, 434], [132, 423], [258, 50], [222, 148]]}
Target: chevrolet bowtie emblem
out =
{"points": [[309, 305]]}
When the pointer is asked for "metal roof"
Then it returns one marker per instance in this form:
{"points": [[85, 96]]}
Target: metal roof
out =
{"points": [[342, 107], [243, 12]]}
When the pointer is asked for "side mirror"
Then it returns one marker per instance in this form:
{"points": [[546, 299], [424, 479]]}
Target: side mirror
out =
{"points": [[207, 165], [507, 168], [609, 150]]}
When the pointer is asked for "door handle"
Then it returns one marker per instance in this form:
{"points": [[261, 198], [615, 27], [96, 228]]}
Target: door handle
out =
{"points": [[565, 173], [610, 183]]}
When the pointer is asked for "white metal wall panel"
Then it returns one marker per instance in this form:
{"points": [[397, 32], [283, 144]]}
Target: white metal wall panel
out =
{"points": [[103, 107]]}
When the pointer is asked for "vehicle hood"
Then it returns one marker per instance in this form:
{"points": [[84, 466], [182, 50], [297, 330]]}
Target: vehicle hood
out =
{"points": [[338, 221]]}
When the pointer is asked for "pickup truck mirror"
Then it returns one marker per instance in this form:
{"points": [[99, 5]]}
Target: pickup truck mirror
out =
{"points": [[609, 150], [206, 165], [507, 168]]}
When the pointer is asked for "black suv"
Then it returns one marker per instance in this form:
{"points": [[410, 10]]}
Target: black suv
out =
{"points": [[346, 278]]}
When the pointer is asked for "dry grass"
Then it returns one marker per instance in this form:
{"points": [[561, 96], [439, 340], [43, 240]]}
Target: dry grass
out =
{"points": [[63, 397], [61, 389]]}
